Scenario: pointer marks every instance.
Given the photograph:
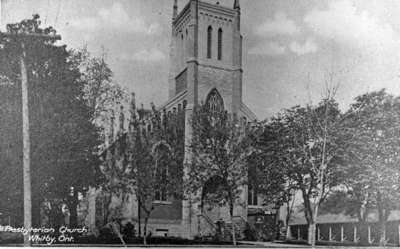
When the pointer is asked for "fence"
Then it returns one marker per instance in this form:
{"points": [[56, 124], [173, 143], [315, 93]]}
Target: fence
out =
{"points": [[349, 232]]}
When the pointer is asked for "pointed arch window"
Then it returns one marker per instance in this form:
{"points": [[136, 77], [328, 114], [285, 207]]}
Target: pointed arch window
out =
{"points": [[162, 156], [252, 188], [252, 199], [220, 33], [214, 101], [209, 42], [183, 49]]}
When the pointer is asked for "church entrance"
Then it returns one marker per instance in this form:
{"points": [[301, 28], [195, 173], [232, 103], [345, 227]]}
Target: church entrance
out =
{"points": [[214, 209]]}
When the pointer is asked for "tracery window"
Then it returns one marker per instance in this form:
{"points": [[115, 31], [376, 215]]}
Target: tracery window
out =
{"points": [[214, 101]]}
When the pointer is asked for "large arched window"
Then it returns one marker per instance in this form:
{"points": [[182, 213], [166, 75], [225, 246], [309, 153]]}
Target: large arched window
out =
{"points": [[162, 157], [220, 44], [214, 101], [252, 178], [209, 42]]}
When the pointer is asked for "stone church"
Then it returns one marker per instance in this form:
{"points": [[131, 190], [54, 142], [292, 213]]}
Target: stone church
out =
{"points": [[205, 67]]}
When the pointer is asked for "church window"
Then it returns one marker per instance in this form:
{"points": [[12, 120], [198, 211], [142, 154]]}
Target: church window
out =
{"points": [[252, 191], [184, 50], [214, 101], [209, 41], [161, 154], [184, 104], [220, 44], [252, 195]]}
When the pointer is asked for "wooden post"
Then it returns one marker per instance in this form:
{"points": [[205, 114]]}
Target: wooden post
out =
{"points": [[369, 235], [288, 233], [355, 234], [398, 231], [318, 234], [198, 225], [298, 233], [341, 234], [330, 233]]}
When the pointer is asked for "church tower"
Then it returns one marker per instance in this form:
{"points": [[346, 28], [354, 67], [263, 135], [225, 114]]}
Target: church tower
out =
{"points": [[205, 68], [206, 54]]}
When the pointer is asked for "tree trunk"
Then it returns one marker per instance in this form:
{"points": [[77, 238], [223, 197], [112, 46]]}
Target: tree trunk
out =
{"points": [[362, 232], [146, 219], [106, 201], [277, 225], [72, 205], [233, 224], [382, 233], [139, 220], [289, 209], [312, 227], [308, 213], [382, 214]]}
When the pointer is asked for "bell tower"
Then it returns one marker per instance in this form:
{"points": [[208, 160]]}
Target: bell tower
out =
{"points": [[206, 53], [205, 67]]}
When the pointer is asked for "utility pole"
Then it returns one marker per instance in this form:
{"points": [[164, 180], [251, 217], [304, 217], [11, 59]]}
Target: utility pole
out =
{"points": [[26, 147], [22, 37]]}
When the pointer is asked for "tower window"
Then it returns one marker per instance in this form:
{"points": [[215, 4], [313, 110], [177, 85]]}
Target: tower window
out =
{"points": [[214, 101], [209, 41], [220, 44]]}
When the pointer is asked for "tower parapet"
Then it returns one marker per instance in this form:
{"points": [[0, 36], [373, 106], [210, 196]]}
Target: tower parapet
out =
{"points": [[236, 5]]}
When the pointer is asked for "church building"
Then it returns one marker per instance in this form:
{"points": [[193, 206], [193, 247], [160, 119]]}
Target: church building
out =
{"points": [[205, 68]]}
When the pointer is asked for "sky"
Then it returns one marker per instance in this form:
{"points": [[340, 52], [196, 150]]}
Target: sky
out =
{"points": [[292, 50]]}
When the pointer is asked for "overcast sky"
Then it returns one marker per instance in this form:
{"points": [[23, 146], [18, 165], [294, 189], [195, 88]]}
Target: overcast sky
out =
{"points": [[289, 45]]}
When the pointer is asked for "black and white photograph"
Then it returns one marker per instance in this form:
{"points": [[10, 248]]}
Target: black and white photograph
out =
{"points": [[200, 123]]}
